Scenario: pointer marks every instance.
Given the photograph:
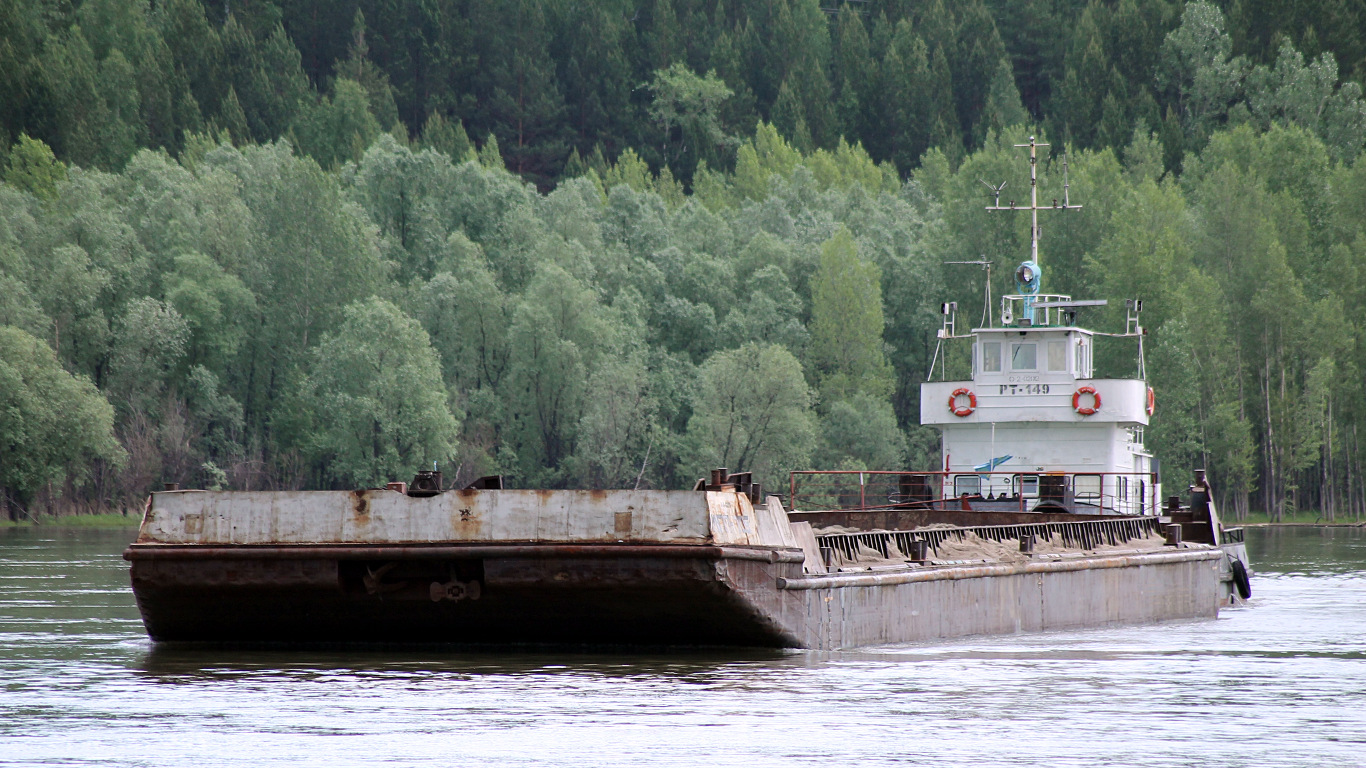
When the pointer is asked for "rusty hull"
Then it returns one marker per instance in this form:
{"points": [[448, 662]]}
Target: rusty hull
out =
{"points": [[644, 595], [633, 596]]}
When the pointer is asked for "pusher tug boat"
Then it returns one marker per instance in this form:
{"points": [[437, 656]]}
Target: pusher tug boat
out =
{"points": [[1047, 513]]}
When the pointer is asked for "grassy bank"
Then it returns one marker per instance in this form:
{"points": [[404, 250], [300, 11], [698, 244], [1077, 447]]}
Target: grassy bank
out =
{"points": [[111, 520]]}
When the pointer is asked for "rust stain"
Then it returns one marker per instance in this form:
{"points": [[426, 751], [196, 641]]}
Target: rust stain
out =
{"points": [[545, 495], [466, 523], [467, 494], [360, 505], [597, 494], [622, 524]]}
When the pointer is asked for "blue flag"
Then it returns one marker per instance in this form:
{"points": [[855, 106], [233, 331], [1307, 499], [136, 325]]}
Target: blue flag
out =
{"points": [[988, 466]]}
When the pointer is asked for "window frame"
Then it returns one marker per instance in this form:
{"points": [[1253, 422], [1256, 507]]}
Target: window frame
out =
{"points": [[1061, 346], [1016, 347], [987, 359], [1096, 494], [976, 482]]}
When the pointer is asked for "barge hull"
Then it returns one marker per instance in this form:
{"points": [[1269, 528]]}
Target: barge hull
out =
{"points": [[716, 596]]}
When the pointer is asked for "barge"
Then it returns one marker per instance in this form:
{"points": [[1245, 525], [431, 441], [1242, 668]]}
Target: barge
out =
{"points": [[1046, 513], [708, 567]]}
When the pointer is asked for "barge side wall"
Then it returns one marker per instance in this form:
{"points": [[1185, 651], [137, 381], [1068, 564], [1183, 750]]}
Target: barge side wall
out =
{"points": [[379, 516], [853, 610]]}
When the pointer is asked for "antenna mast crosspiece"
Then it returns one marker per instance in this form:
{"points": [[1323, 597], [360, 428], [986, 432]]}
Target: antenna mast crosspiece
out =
{"points": [[1034, 207]]}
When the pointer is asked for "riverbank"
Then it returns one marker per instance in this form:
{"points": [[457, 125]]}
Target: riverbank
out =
{"points": [[1307, 518], [111, 520]]}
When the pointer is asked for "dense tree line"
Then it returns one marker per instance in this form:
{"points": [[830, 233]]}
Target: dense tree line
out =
{"points": [[560, 84], [301, 247]]}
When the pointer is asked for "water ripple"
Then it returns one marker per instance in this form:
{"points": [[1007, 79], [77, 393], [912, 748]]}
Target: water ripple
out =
{"points": [[1280, 683]]}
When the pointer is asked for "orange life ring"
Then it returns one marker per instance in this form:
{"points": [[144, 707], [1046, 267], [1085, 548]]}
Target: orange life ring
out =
{"points": [[969, 408], [1152, 401], [1076, 401]]}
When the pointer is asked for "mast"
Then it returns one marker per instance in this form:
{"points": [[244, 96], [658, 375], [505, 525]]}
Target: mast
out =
{"points": [[1034, 207]]}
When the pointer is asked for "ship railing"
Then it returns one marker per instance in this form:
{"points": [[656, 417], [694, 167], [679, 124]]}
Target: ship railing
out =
{"points": [[1013, 307], [1129, 493], [899, 545]]}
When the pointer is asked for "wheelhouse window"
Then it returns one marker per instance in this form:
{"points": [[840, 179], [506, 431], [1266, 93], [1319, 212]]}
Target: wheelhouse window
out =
{"points": [[1086, 486], [1027, 485], [970, 485], [1024, 357], [991, 357], [1057, 356]]}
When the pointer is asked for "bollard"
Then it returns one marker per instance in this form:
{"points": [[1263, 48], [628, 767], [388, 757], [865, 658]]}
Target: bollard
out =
{"points": [[828, 557], [1174, 535], [172, 486], [1027, 543], [919, 551]]}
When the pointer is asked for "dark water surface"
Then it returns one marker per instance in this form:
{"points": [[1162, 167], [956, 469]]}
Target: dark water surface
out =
{"points": [[1280, 683]]}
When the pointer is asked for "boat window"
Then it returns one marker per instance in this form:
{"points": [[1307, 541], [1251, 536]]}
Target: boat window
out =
{"points": [[1057, 355], [1028, 485], [1123, 489], [1023, 357], [991, 356], [1086, 486], [967, 484]]}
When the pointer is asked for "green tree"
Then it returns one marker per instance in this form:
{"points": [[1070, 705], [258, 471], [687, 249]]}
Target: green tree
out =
{"points": [[376, 407], [358, 68], [558, 336], [217, 307], [908, 89], [860, 433], [33, 168], [441, 135], [520, 100], [847, 323], [1308, 95], [149, 341], [52, 425], [618, 429], [75, 102], [1002, 109], [752, 412], [687, 109], [1198, 71], [337, 128]]}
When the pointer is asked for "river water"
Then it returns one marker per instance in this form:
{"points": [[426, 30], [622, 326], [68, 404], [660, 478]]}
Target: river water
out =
{"points": [[1279, 683]]}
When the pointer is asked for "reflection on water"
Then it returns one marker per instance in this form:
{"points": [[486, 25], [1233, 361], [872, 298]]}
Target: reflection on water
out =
{"points": [[1281, 683]]}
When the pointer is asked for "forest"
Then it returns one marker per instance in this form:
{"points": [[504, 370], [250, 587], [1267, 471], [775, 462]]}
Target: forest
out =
{"points": [[283, 245]]}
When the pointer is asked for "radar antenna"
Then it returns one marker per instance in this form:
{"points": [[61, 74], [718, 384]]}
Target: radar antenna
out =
{"points": [[995, 191]]}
